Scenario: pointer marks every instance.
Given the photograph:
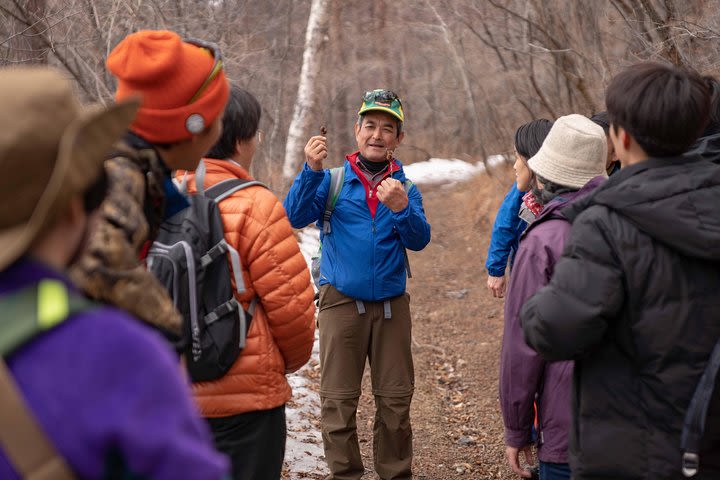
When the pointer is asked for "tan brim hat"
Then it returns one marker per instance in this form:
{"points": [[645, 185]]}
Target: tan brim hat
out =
{"points": [[573, 153], [44, 185]]}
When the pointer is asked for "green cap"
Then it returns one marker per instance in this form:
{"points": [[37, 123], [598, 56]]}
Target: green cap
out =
{"points": [[383, 101]]}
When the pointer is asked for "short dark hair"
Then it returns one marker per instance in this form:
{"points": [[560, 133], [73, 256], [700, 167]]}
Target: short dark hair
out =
{"points": [[399, 124], [549, 191], [663, 107], [714, 86], [240, 122], [601, 119], [530, 137]]}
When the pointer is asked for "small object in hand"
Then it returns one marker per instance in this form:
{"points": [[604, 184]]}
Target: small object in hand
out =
{"points": [[323, 130], [388, 155]]}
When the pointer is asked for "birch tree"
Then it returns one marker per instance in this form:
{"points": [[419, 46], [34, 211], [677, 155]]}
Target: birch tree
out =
{"points": [[315, 40]]}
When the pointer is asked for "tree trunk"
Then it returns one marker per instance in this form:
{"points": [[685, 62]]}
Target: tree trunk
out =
{"points": [[299, 125], [472, 117]]}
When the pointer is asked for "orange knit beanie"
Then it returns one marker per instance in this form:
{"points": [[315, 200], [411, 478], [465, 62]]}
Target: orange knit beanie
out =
{"points": [[168, 73]]}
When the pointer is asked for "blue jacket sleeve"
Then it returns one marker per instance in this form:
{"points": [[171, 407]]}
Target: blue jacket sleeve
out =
{"points": [[411, 224], [506, 232], [305, 202]]}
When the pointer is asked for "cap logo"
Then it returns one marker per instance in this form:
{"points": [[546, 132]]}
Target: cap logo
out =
{"points": [[195, 124], [382, 104]]}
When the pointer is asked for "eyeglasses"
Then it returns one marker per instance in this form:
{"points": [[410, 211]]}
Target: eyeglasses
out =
{"points": [[260, 136], [382, 97], [216, 68]]}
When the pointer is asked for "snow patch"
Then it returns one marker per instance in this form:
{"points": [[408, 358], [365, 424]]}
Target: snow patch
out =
{"points": [[443, 170]]}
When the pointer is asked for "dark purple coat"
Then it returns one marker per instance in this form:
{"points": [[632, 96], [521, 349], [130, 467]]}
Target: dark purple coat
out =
{"points": [[523, 373]]}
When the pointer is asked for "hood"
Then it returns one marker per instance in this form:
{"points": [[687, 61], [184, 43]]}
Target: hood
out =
{"points": [[708, 147], [676, 201], [555, 209]]}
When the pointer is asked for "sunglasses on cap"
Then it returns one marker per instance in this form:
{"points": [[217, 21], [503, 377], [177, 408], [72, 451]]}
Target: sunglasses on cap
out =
{"points": [[216, 68], [384, 98]]}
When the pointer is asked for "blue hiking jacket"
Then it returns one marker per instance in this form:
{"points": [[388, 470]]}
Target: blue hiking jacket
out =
{"points": [[506, 233], [363, 256]]}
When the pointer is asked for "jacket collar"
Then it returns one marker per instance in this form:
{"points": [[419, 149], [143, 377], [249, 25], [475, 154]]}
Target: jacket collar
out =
{"points": [[556, 208], [395, 165], [572, 211]]}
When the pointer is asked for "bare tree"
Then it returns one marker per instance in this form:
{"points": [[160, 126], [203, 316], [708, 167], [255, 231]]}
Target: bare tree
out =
{"points": [[315, 39]]}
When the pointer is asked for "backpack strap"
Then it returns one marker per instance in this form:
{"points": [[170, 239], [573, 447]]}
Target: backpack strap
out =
{"points": [[222, 190], [696, 415], [200, 172], [407, 186], [34, 310], [219, 192], [337, 177], [28, 448], [26, 314]]}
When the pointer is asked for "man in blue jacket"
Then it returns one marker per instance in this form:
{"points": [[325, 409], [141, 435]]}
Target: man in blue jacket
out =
{"points": [[364, 310]]}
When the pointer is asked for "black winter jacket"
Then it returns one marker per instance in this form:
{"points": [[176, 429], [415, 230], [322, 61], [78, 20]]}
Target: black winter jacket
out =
{"points": [[635, 299]]}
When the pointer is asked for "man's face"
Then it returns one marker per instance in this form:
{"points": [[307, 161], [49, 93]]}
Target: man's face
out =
{"points": [[377, 135]]}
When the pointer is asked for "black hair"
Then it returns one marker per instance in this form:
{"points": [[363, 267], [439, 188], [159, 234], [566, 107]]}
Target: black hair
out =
{"points": [[530, 137], [713, 85], [399, 124], [549, 191], [601, 118], [240, 122], [663, 107]]}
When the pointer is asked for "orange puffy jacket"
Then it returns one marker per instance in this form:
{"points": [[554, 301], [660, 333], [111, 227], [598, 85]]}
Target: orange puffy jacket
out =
{"points": [[282, 331]]}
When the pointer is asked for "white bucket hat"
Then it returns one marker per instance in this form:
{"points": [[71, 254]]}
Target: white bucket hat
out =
{"points": [[573, 153]]}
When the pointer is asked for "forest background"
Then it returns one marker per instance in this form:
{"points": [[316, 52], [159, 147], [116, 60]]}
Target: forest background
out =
{"points": [[468, 71]]}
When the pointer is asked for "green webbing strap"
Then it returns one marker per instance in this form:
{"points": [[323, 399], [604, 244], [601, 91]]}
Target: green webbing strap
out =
{"points": [[33, 310]]}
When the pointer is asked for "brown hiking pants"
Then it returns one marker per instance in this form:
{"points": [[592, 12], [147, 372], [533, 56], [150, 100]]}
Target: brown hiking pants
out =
{"points": [[347, 338]]}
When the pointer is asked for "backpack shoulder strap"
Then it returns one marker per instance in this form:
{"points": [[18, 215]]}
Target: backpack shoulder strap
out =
{"points": [[26, 314], [222, 190], [407, 185], [696, 415], [34, 310], [337, 177], [28, 448]]}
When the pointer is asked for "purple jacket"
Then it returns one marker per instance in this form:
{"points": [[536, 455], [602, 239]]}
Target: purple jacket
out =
{"points": [[105, 387], [523, 373]]}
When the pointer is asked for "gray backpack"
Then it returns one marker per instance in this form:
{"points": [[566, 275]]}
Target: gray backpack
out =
{"points": [[190, 257]]}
